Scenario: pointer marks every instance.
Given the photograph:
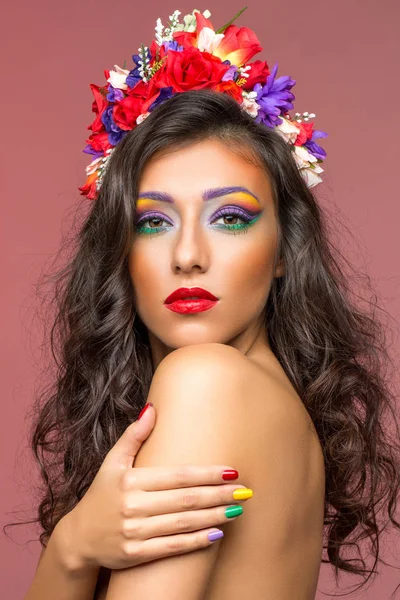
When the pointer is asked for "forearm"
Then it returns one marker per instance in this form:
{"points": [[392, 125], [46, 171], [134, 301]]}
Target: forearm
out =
{"points": [[59, 576]]}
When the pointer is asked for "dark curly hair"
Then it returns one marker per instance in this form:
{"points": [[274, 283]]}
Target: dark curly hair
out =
{"points": [[334, 352]]}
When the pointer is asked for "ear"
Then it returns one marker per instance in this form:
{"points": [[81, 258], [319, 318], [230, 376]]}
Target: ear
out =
{"points": [[280, 268]]}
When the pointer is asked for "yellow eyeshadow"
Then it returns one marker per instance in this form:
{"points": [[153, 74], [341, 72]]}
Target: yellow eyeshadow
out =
{"points": [[250, 202], [145, 203]]}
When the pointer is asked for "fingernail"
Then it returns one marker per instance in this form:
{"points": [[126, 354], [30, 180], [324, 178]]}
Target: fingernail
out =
{"points": [[215, 535], [144, 409], [233, 511], [228, 474], [242, 494]]}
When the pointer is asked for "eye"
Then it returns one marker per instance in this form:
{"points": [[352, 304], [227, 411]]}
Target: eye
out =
{"points": [[232, 219], [234, 214], [238, 219], [154, 219]]}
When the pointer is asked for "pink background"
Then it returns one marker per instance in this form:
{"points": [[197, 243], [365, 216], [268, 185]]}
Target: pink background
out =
{"points": [[344, 56]]}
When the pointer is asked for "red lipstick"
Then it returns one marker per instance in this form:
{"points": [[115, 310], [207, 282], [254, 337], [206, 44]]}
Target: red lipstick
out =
{"points": [[190, 300]]}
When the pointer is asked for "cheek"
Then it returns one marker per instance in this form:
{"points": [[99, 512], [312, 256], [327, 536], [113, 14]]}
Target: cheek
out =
{"points": [[251, 271], [144, 271]]}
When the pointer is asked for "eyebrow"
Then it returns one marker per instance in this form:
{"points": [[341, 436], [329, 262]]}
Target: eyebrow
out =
{"points": [[208, 194]]}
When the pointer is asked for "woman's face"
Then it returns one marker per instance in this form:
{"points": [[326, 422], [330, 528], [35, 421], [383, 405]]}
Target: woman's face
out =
{"points": [[190, 241]]}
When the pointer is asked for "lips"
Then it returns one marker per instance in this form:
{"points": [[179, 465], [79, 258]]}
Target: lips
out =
{"points": [[185, 293]]}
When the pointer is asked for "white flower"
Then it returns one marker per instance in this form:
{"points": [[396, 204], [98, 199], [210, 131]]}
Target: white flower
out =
{"points": [[190, 21], [287, 130], [308, 165], [303, 157], [94, 165], [100, 162], [142, 117], [310, 177], [250, 105], [159, 31], [208, 40], [118, 78]]}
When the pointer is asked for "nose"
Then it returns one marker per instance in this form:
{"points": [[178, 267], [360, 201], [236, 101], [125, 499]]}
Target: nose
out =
{"points": [[190, 250]]}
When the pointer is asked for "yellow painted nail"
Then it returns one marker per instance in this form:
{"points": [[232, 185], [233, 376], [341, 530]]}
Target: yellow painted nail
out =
{"points": [[242, 494]]}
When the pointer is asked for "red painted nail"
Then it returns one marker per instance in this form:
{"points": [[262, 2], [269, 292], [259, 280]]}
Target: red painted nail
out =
{"points": [[144, 409], [230, 474]]}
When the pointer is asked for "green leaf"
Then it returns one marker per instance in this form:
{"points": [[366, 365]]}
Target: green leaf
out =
{"points": [[222, 29]]}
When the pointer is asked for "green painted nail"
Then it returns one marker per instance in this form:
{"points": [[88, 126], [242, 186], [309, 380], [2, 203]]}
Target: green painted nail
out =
{"points": [[233, 511]]}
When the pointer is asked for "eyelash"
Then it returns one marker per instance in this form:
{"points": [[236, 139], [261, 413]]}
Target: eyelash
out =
{"points": [[223, 212]]}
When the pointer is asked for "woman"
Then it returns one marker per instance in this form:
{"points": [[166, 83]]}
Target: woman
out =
{"points": [[273, 371], [225, 396]]}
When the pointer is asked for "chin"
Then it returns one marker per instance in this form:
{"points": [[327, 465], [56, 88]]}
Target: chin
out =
{"points": [[189, 340]]}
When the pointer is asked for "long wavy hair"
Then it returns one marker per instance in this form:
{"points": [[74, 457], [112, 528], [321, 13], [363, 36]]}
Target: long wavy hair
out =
{"points": [[334, 352]]}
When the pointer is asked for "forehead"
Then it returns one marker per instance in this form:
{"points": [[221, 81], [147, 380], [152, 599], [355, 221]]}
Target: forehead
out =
{"points": [[205, 164]]}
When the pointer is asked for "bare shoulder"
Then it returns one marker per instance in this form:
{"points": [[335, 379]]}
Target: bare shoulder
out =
{"points": [[265, 431], [268, 418], [215, 363], [220, 407], [262, 398], [212, 355]]}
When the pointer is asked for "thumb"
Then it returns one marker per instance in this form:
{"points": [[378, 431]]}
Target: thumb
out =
{"points": [[124, 451]]}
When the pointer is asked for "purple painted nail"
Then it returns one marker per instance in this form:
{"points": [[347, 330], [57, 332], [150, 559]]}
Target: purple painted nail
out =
{"points": [[215, 535]]}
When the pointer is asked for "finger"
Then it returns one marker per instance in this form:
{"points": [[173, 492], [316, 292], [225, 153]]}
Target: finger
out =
{"points": [[175, 476], [178, 523], [144, 504], [159, 547], [124, 451]]}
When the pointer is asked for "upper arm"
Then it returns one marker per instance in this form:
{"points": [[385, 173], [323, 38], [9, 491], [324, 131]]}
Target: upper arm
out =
{"points": [[197, 391], [213, 408]]}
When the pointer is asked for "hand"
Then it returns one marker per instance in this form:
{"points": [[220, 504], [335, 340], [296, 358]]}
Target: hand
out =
{"points": [[129, 516]]}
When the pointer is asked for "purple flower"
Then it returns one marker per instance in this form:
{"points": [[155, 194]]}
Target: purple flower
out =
{"points": [[89, 150], [274, 98], [312, 147], [115, 133], [165, 93], [173, 45], [230, 73], [114, 94]]}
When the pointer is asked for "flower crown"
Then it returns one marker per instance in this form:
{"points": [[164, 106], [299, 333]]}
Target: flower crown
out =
{"points": [[193, 56]]}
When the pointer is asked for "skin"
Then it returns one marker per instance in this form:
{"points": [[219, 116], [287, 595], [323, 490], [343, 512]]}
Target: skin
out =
{"points": [[195, 250], [280, 537]]}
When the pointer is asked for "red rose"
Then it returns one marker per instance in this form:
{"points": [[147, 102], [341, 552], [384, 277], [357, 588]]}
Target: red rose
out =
{"points": [[190, 70], [149, 91], [257, 74], [99, 142], [126, 111]]}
